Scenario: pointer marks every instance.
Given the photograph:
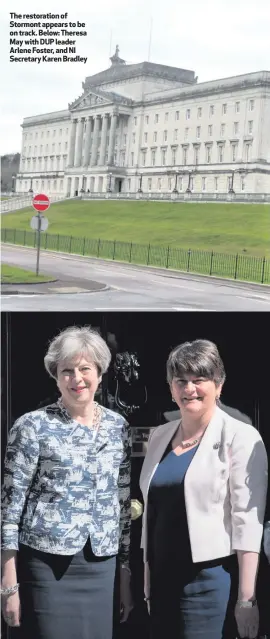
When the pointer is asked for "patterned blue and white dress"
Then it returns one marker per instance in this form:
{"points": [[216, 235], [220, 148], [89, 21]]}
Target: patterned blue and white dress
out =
{"points": [[66, 508]]}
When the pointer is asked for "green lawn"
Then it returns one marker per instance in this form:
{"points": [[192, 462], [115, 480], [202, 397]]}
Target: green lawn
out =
{"points": [[225, 227], [14, 275]]}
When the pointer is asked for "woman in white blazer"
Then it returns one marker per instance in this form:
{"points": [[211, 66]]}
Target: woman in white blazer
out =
{"points": [[204, 483]]}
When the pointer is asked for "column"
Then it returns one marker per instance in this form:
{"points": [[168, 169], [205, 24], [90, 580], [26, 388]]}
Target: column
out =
{"points": [[87, 141], [105, 122], [95, 142], [72, 137], [112, 138], [79, 140]]}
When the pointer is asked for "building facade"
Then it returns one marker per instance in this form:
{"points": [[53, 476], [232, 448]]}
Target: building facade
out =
{"points": [[152, 128]]}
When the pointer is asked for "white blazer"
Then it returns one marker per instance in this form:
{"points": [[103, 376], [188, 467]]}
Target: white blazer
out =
{"points": [[225, 487]]}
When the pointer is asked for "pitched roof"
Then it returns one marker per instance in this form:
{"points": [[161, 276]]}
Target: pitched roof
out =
{"points": [[125, 71]]}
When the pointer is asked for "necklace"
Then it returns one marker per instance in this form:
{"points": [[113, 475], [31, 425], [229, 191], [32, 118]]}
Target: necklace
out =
{"points": [[189, 444]]}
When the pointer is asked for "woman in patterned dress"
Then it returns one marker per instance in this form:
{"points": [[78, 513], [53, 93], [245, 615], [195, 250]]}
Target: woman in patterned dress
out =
{"points": [[66, 503]]}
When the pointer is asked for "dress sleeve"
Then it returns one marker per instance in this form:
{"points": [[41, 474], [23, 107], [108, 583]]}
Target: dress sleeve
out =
{"points": [[20, 465], [248, 487], [124, 496]]}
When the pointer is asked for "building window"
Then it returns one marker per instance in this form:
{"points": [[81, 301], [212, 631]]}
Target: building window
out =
{"points": [[36, 134], [28, 165], [159, 184], [61, 185], [54, 184], [53, 148], [198, 132], [45, 164], [60, 132], [208, 154], [237, 107], [251, 105], [133, 138], [224, 109], [165, 136], [66, 146], [186, 132], [29, 150], [54, 132], [216, 184], [123, 158], [125, 139], [135, 121], [175, 135], [211, 110], [66, 131], [145, 137], [34, 164], [188, 114], [222, 129], [210, 130], [180, 184], [173, 157], [191, 183], [199, 112], [48, 134], [166, 116], [156, 118], [247, 152], [155, 136], [132, 159], [25, 136], [58, 163], [242, 183], [116, 139], [147, 119], [153, 157], [250, 126], [196, 154], [203, 184], [129, 184], [236, 128], [52, 162], [220, 152], [144, 158], [177, 115], [163, 157], [149, 184], [184, 155], [35, 150], [234, 152], [169, 184]]}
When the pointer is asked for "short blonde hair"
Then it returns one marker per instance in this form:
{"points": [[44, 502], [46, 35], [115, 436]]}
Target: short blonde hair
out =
{"points": [[74, 342]]}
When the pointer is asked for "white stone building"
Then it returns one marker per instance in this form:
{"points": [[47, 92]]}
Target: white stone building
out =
{"points": [[153, 127]]}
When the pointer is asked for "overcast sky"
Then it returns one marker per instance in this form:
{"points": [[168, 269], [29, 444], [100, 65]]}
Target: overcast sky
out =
{"points": [[215, 38]]}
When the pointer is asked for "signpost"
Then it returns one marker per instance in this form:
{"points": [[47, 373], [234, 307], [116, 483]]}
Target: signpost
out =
{"points": [[39, 223]]}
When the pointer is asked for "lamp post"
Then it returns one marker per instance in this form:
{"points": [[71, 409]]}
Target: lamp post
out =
{"points": [[13, 177], [231, 189]]}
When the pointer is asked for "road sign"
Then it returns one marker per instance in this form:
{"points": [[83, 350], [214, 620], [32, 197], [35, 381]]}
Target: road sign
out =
{"points": [[41, 202], [39, 219]]}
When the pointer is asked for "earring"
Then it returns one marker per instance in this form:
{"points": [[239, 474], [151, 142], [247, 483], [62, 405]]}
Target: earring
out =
{"points": [[173, 400]]}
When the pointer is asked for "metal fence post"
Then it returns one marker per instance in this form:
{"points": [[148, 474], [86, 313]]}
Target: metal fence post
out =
{"points": [[57, 247], [46, 238], [24, 238], [236, 264], [188, 263], [148, 254], [167, 258], [130, 251], [113, 250], [263, 268], [5, 235], [70, 243], [14, 236], [211, 263], [98, 247], [83, 251]]}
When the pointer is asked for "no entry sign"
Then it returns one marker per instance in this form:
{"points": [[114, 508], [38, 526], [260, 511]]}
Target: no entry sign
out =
{"points": [[41, 202]]}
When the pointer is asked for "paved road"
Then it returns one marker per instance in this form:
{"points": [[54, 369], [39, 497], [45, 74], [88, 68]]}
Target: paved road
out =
{"points": [[130, 287]]}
